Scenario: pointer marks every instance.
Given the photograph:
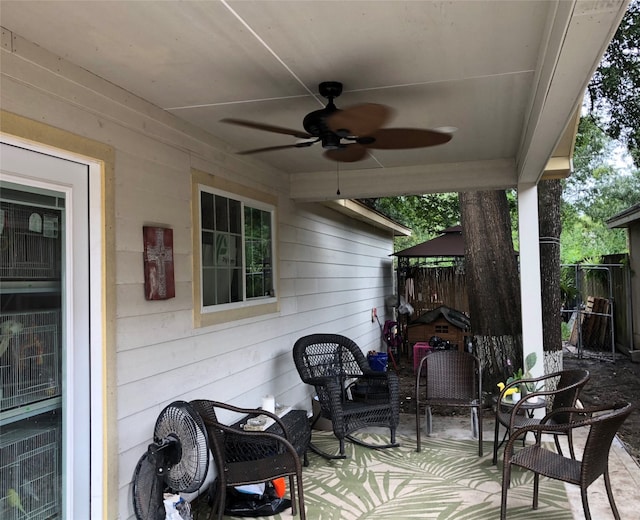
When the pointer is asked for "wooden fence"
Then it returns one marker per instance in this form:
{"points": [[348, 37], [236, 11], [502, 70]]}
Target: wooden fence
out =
{"points": [[426, 288], [604, 285]]}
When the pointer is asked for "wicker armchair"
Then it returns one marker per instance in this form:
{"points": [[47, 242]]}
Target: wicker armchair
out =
{"points": [[452, 379], [351, 395], [568, 384], [248, 457], [595, 458]]}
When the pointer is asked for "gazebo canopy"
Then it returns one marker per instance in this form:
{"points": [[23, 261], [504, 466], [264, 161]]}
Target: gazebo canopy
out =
{"points": [[449, 244]]}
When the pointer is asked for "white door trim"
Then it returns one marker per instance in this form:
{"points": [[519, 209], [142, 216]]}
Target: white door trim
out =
{"points": [[96, 312]]}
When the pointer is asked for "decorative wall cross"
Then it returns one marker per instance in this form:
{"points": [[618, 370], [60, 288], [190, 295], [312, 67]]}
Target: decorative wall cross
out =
{"points": [[158, 263]]}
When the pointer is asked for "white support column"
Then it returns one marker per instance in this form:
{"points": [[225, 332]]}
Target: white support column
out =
{"points": [[530, 286]]}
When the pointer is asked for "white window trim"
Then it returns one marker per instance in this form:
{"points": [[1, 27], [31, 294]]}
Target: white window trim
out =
{"points": [[214, 314], [253, 204]]}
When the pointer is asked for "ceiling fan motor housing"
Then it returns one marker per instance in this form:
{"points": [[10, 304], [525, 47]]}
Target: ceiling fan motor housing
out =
{"points": [[315, 122]]}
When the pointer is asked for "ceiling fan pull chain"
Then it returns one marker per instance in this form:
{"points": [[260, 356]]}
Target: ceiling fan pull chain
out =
{"points": [[338, 177]]}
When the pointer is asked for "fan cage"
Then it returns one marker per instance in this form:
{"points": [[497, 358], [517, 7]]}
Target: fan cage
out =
{"points": [[147, 491], [180, 421]]}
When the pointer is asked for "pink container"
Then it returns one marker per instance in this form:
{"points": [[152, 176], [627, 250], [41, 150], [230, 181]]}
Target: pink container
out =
{"points": [[420, 350]]}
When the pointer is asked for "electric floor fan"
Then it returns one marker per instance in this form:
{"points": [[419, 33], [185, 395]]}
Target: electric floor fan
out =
{"points": [[176, 461]]}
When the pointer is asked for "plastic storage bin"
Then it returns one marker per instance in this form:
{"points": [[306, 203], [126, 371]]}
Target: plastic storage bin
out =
{"points": [[420, 350], [378, 361]]}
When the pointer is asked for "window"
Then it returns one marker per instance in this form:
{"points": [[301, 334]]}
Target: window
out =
{"points": [[258, 245], [236, 257], [221, 225]]}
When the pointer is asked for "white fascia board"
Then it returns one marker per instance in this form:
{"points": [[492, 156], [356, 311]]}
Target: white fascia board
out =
{"points": [[578, 37], [388, 182]]}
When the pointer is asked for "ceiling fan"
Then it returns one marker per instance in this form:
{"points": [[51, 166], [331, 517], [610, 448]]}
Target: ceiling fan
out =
{"points": [[347, 134]]}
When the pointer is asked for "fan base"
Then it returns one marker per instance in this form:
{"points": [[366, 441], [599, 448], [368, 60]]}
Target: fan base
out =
{"points": [[330, 89]]}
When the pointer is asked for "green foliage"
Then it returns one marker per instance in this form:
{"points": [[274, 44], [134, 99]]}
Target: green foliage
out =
{"points": [[568, 288], [583, 238], [591, 148], [614, 90], [566, 331], [598, 189], [426, 215], [595, 192], [529, 363]]}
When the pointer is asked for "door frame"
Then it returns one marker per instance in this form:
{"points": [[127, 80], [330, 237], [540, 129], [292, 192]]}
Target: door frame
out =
{"points": [[97, 380]]}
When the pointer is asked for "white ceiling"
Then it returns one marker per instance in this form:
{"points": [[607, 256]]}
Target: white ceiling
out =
{"points": [[507, 74]]}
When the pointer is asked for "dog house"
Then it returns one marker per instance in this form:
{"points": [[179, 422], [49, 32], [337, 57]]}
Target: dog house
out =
{"points": [[444, 322]]}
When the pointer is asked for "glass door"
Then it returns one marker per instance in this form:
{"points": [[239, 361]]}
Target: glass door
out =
{"points": [[44, 420]]}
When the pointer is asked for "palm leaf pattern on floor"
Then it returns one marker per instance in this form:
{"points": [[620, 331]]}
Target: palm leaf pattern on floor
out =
{"points": [[447, 480]]}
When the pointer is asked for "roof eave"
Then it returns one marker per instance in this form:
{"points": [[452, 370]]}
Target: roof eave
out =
{"points": [[624, 218], [360, 211]]}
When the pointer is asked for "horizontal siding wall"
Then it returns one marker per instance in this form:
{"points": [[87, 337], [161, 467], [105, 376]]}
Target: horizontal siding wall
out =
{"points": [[333, 270]]}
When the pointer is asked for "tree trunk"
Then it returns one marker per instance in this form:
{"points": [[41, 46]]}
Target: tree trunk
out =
{"points": [[496, 352], [493, 282], [549, 195], [549, 200]]}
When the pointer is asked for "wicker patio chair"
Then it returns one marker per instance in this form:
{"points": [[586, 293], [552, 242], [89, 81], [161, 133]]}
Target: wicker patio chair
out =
{"points": [[248, 457], [595, 457], [560, 390], [350, 394], [450, 378]]}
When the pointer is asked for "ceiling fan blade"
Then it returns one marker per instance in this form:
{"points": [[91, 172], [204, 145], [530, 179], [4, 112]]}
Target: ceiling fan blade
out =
{"points": [[359, 119], [280, 147], [401, 138], [268, 128], [349, 153]]}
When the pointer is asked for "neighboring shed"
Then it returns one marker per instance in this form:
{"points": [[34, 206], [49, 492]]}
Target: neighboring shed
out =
{"points": [[630, 219], [446, 323]]}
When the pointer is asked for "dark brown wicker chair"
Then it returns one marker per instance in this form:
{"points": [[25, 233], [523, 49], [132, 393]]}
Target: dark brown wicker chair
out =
{"points": [[350, 394], [560, 389], [595, 457], [248, 457], [450, 378]]}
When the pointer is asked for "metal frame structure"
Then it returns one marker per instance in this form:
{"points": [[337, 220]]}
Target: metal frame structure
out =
{"points": [[580, 309]]}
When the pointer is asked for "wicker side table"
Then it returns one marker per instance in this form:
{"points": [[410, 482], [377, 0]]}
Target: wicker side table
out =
{"points": [[298, 431]]}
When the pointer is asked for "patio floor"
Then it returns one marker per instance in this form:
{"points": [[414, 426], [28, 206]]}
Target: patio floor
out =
{"points": [[343, 495], [624, 471]]}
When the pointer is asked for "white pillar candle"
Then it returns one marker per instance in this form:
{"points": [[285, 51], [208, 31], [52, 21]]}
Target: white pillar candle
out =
{"points": [[269, 403]]}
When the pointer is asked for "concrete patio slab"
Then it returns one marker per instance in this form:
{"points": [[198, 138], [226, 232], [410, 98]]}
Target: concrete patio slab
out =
{"points": [[623, 469]]}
